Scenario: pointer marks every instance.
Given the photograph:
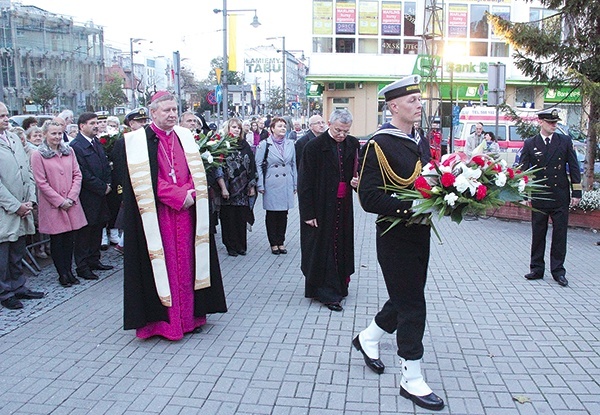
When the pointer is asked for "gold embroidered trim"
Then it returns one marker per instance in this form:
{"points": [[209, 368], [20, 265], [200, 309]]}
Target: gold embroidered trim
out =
{"points": [[388, 174]]}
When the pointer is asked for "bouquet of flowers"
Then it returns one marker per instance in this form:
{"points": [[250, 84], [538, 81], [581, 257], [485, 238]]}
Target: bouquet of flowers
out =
{"points": [[457, 185], [108, 140], [214, 148]]}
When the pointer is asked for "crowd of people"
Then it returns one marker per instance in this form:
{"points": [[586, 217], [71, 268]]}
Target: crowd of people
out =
{"points": [[145, 187]]}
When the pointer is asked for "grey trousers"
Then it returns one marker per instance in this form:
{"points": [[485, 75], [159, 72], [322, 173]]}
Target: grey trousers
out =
{"points": [[12, 279]]}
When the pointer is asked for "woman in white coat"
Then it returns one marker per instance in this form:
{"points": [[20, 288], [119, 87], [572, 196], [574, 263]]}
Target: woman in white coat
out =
{"points": [[276, 167]]}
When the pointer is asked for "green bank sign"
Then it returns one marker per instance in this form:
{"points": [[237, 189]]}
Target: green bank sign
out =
{"points": [[425, 63]]}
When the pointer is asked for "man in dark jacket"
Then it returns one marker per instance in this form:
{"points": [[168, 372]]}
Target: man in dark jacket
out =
{"points": [[325, 182], [316, 126], [95, 185], [554, 154]]}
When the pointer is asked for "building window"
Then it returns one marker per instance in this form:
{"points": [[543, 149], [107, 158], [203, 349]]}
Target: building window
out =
{"points": [[392, 46], [500, 50], [457, 20], [411, 47], [344, 45], [367, 46], [410, 17], [478, 49], [341, 100], [478, 22], [322, 45]]}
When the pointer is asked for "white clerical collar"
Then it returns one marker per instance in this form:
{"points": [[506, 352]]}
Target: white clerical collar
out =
{"points": [[164, 131]]}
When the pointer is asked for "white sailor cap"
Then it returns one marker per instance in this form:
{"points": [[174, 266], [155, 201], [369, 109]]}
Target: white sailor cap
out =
{"points": [[405, 86], [550, 114]]}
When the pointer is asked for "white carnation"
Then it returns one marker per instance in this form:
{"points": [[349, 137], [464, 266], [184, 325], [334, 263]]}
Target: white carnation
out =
{"points": [[207, 156], [521, 186], [450, 199], [500, 180]]}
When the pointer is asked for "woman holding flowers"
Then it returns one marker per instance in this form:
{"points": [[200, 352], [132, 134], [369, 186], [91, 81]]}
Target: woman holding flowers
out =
{"points": [[239, 176], [392, 157]]}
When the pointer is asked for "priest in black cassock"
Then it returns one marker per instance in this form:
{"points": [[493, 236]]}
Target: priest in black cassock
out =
{"points": [[325, 181]]}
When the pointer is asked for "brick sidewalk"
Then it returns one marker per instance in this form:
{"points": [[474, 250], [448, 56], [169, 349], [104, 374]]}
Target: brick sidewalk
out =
{"points": [[491, 336]]}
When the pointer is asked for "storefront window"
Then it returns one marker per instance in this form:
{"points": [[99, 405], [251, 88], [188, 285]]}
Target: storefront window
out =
{"points": [[322, 45], [367, 46], [411, 47], [478, 22], [500, 50], [478, 49], [392, 46], [457, 20], [410, 16], [344, 45]]}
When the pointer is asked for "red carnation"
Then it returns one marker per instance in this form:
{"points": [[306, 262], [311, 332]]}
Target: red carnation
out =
{"points": [[447, 179], [103, 141], [481, 192], [497, 168], [479, 160], [526, 178], [423, 187], [511, 173]]}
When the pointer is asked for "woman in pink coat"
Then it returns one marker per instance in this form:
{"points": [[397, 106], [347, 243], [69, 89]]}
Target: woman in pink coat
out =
{"points": [[58, 179]]}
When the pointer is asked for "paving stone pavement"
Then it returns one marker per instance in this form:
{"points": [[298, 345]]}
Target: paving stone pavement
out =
{"points": [[491, 337]]}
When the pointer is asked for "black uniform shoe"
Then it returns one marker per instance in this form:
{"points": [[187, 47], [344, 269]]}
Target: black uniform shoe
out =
{"points": [[376, 365], [561, 280], [64, 280], [533, 276], [29, 295], [100, 266], [87, 274], [12, 303], [431, 401], [242, 252], [231, 252], [73, 279], [334, 306]]}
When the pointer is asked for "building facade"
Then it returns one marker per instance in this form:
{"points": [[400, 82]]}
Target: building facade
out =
{"points": [[359, 46], [36, 44]]}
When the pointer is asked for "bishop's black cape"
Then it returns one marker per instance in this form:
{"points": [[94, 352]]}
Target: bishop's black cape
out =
{"points": [[141, 303]]}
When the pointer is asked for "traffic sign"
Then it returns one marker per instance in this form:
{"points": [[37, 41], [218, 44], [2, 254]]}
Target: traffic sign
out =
{"points": [[211, 98], [481, 90]]}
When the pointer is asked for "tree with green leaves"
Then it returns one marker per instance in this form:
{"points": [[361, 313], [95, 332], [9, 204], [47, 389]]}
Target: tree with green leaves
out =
{"points": [[275, 100], [111, 93], [563, 48], [233, 77], [43, 91]]}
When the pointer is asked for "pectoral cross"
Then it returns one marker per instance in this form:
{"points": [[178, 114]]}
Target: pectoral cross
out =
{"points": [[172, 174]]}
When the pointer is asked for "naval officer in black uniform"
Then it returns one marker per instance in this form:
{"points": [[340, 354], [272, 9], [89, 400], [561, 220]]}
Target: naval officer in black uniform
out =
{"points": [[554, 154], [393, 156]]}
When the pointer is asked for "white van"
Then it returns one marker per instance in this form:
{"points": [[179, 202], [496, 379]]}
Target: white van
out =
{"points": [[509, 140]]}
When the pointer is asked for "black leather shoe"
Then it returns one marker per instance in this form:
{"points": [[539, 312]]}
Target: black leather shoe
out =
{"points": [[231, 252], [103, 247], [275, 251], [533, 276], [101, 267], [282, 250], [334, 306], [431, 401], [12, 303], [87, 275], [197, 330], [241, 252], [561, 280], [376, 365], [73, 279], [29, 295], [64, 280]]}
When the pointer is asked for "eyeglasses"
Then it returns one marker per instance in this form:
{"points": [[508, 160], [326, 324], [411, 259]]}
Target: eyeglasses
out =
{"points": [[317, 122]]}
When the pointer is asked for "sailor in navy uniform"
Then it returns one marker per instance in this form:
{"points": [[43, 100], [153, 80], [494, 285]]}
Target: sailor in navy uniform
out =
{"points": [[393, 156], [554, 154]]}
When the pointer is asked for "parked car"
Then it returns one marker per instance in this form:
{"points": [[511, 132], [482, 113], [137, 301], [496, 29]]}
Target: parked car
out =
{"points": [[17, 120]]}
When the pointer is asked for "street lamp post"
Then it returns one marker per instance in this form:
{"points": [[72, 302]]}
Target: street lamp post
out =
{"points": [[255, 23], [283, 74], [131, 42]]}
